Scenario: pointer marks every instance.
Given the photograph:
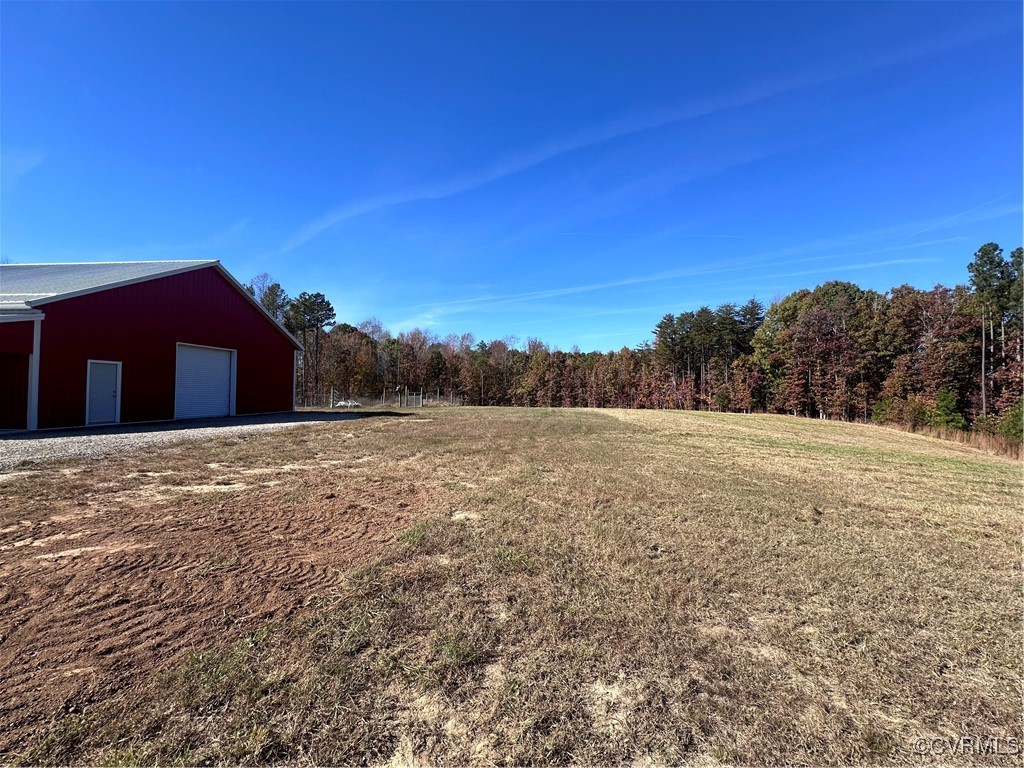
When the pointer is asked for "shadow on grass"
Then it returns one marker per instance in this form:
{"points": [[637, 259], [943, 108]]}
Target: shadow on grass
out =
{"points": [[288, 417]]}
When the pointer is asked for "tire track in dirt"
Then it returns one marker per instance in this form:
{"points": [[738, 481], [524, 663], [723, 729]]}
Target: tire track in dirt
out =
{"points": [[101, 595]]}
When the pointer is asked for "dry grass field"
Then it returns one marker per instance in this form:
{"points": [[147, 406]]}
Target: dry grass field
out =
{"points": [[490, 586]]}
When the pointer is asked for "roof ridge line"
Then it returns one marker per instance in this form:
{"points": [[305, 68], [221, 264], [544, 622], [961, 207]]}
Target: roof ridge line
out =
{"points": [[87, 263]]}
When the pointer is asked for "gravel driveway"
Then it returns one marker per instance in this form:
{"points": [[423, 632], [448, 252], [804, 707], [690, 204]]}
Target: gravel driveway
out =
{"points": [[39, 446]]}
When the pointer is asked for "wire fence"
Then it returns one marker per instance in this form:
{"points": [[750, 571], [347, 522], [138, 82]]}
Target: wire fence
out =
{"points": [[400, 397]]}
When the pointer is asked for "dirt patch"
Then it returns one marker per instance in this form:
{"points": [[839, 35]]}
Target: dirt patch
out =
{"points": [[6, 477], [210, 488], [610, 705], [157, 569]]}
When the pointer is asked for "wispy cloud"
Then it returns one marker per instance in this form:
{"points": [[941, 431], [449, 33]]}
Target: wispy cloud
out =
{"points": [[441, 312], [614, 334], [202, 247], [625, 126], [15, 164], [224, 237], [840, 261], [839, 255], [939, 223], [213, 242]]}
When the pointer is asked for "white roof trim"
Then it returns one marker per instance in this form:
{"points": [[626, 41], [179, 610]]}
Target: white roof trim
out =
{"points": [[71, 263], [23, 316]]}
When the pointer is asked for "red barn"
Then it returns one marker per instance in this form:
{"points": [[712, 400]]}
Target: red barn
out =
{"points": [[136, 341]]}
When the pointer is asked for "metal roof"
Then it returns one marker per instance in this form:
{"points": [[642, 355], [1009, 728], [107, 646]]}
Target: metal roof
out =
{"points": [[27, 285]]}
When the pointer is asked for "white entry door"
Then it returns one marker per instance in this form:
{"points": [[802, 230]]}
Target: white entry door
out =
{"points": [[203, 382], [103, 395]]}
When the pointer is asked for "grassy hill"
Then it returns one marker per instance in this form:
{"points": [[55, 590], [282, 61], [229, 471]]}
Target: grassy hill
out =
{"points": [[588, 587]]}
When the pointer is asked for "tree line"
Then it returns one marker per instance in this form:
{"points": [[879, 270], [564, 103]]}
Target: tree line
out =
{"points": [[944, 357]]}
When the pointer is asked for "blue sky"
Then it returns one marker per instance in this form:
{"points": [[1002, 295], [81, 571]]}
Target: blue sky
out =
{"points": [[564, 171]]}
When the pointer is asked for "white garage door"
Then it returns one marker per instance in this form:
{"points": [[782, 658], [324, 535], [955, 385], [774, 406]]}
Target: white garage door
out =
{"points": [[202, 382]]}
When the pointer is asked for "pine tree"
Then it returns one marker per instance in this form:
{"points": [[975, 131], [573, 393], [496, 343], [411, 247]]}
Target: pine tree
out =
{"points": [[990, 275]]}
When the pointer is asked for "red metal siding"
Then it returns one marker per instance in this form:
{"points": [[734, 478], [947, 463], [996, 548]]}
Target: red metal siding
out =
{"points": [[13, 390], [16, 338], [140, 325]]}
